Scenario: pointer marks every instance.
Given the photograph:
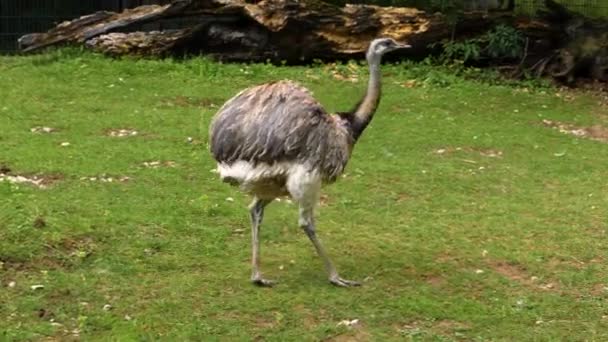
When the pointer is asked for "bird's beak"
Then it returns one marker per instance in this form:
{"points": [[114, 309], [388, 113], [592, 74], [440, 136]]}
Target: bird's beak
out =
{"points": [[403, 46]]}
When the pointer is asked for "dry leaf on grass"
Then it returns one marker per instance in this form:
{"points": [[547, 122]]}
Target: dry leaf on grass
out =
{"points": [[595, 132], [122, 132], [42, 129], [157, 163]]}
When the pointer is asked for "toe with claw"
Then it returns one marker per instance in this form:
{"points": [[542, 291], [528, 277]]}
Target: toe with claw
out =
{"points": [[343, 282], [263, 282]]}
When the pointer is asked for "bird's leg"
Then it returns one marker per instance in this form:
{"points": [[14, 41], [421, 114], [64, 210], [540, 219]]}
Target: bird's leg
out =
{"points": [[256, 210], [307, 223]]}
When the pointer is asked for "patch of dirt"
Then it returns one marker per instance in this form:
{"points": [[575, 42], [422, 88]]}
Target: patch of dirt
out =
{"points": [[41, 181], [70, 244], [444, 327], [39, 263], [263, 322], [511, 271], [185, 101], [324, 200], [355, 333], [402, 197], [61, 254], [39, 223], [65, 252], [434, 280], [157, 163], [559, 264], [309, 319], [599, 290], [519, 274], [446, 258], [45, 314], [598, 90], [595, 132], [417, 328], [448, 327], [121, 132], [405, 327]]}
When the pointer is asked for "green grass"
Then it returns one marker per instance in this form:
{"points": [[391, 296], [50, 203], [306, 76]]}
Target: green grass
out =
{"points": [[459, 245]]}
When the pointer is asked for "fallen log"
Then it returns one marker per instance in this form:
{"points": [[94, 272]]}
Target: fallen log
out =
{"points": [[278, 30], [89, 26]]}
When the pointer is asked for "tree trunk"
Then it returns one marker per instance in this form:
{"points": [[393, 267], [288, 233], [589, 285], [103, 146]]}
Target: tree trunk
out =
{"points": [[278, 30]]}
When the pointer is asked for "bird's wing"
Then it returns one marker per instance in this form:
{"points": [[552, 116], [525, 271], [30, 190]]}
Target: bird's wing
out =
{"points": [[272, 122]]}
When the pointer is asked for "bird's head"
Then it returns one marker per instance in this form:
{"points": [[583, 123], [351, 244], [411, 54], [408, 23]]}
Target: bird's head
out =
{"points": [[380, 46]]}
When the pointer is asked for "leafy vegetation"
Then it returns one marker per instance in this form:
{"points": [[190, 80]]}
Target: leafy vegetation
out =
{"points": [[467, 210], [504, 42], [500, 43]]}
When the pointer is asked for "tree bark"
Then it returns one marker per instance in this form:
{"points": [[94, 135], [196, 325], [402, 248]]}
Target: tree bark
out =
{"points": [[279, 30]]}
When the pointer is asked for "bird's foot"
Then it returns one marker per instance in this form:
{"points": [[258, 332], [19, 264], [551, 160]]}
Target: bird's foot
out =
{"points": [[259, 281], [343, 282]]}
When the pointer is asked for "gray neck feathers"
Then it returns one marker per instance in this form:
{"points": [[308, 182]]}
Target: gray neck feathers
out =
{"points": [[364, 112]]}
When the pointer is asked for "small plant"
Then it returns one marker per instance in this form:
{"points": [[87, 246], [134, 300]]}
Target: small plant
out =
{"points": [[465, 51], [502, 42]]}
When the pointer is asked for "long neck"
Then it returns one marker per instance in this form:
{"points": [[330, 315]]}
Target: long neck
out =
{"points": [[364, 112]]}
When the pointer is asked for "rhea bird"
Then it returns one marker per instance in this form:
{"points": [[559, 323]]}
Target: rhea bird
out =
{"points": [[275, 140]]}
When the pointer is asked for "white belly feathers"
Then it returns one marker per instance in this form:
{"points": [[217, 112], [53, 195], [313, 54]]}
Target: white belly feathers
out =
{"points": [[270, 181]]}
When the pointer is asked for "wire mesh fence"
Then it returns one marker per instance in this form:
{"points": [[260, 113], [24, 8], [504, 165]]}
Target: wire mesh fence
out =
{"points": [[19, 17], [590, 8]]}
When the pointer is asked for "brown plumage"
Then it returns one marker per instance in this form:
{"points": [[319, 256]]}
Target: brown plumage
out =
{"points": [[275, 139]]}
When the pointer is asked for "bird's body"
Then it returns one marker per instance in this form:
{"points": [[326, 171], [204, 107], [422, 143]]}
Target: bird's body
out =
{"points": [[271, 136], [276, 140]]}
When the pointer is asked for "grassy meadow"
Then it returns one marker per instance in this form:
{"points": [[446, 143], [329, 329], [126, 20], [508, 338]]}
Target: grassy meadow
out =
{"points": [[467, 210]]}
